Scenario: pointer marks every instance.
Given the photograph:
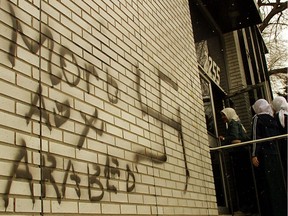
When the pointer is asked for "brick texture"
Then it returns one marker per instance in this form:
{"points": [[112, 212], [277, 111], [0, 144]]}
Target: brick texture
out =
{"points": [[94, 96]]}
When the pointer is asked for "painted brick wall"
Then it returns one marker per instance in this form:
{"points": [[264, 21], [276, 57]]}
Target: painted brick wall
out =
{"points": [[101, 110]]}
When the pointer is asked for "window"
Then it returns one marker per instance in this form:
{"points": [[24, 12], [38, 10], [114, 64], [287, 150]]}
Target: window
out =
{"points": [[208, 108]]}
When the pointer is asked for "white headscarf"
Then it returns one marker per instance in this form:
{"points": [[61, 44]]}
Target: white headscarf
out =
{"points": [[262, 106], [280, 106], [230, 113]]}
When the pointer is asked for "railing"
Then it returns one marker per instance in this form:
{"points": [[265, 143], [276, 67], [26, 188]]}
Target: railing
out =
{"points": [[227, 174], [249, 142]]}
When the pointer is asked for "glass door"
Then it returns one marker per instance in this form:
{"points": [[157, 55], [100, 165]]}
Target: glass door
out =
{"points": [[212, 116]]}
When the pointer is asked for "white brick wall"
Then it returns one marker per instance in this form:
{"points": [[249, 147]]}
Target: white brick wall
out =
{"points": [[108, 111]]}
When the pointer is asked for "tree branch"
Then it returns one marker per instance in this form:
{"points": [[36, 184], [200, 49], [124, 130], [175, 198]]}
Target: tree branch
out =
{"points": [[277, 71], [277, 8]]}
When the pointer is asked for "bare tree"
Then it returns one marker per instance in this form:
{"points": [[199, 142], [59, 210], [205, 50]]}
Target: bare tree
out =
{"points": [[275, 22], [272, 9]]}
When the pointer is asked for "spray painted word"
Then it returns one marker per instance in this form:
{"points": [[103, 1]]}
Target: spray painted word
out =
{"points": [[61, 114], [95, 187]]}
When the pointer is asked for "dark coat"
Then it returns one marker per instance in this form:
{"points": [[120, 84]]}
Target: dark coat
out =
{"points": [[235, 131], [270, 182], [264, 126]]}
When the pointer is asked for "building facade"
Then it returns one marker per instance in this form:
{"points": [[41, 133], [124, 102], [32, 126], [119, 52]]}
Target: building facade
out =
{"points": [[110, 107]]}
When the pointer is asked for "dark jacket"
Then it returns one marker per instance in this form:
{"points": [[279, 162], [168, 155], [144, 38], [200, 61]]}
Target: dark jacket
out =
{"points": [[283, 130], [264, 126], [235, 131]]}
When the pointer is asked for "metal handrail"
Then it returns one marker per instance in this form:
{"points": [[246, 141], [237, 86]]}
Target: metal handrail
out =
{"points": [[249, 142]]}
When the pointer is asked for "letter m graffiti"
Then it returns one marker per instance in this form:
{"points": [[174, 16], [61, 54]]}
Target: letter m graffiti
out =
{"points": [[33, 46]]}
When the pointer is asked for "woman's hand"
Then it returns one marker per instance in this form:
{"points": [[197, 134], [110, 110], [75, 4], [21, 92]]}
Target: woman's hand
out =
{"points": [[221, 138], [255, 161]]}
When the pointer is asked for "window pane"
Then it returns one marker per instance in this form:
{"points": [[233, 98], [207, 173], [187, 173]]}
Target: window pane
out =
{"points": [[206, 94]]}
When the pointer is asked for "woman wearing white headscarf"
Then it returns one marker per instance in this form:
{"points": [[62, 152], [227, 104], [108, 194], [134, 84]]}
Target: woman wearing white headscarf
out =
{"points": [[264, 125], [239, 160], [235, 132], [280, 106], [266, 159]]}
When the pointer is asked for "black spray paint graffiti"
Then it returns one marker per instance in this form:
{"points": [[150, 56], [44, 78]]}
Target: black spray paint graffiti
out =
{"points": [[94, 183], [56, 77], [17, 172], [164, 120], [47, 176], [63, 109], [61, 113], [90, 123]]}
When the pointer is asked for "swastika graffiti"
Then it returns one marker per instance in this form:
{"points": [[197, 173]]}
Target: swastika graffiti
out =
{"points": [[98, 176]]}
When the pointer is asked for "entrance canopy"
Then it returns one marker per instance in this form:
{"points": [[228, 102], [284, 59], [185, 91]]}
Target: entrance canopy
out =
{"points": [[231, 15]]}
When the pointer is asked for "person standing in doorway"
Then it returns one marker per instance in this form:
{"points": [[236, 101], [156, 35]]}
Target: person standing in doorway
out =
{"points": [[266, 160], [235, 132], [240, 171]]}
